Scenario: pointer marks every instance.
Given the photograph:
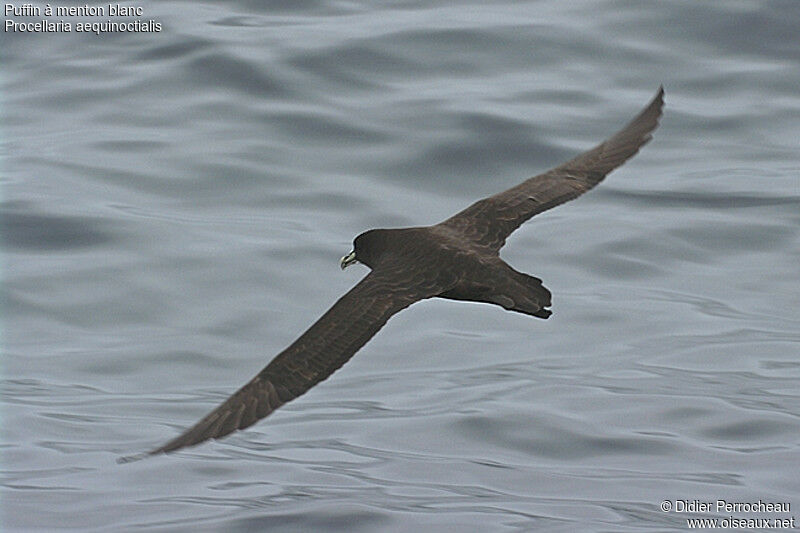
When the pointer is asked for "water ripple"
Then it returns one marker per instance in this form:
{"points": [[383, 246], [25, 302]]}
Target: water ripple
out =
{"points": [[174, 205]]}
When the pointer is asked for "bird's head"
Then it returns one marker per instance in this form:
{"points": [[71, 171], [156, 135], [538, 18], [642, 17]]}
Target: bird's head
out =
{"points": [[367, 249]]}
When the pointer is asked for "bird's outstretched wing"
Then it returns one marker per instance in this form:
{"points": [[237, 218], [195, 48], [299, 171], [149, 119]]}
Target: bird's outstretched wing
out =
{"points": [[490, 221], [320, 351]]}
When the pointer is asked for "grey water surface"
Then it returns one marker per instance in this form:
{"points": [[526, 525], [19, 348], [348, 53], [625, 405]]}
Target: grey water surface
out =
{"points": [[174, 205]]}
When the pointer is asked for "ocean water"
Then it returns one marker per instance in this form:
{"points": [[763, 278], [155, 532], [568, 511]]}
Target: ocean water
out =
{"points": [[174, 205]]}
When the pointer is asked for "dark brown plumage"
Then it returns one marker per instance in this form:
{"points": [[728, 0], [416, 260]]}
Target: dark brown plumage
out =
{"points": [[456, 259]]}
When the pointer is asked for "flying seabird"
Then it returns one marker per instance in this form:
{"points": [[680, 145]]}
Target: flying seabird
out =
{"points": [[455, 259]]}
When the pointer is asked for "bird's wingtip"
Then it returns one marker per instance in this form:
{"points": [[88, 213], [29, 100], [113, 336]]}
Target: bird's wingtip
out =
{"points": [[660, 94], [139, 456], [132, 458]]}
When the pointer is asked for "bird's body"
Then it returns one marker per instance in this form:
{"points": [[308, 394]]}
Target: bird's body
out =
{"points": [[456, 259]]}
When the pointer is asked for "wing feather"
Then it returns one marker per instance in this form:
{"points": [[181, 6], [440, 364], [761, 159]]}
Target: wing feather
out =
{"points": [[314, 356], [490, 221]]}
